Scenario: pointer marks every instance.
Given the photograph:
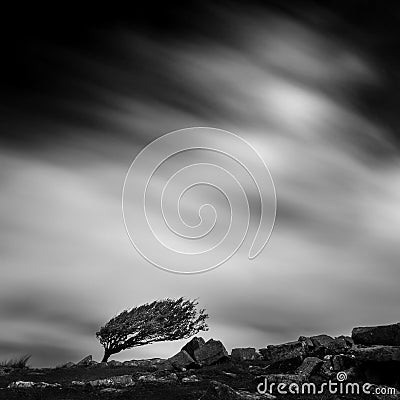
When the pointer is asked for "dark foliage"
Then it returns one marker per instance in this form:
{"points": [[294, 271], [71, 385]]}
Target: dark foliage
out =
{"points": [[159, 321]]}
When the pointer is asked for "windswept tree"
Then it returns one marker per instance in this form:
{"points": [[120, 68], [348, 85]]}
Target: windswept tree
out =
{"points": [[159, 321]]}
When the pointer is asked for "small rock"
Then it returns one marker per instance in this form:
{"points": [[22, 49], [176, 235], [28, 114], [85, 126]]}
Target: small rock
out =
{"points": [[85, 361], [29, 385], [221, 391], [151, 378], [181, 360], [210, 353], [78, 383], [343, 343], [231, 374], [21, 384], [190, 379], [152, 364], [326, 370], [309, 365], [101, 383], [349, 340], [118, 381], [244, 354], [323, 344], [93, 364], [193, 345], [130, 363], [167, 366], [308, 342], [44, 385], [156, 360], [257, 370], [285, 351], [340, 362], [388, 335]]}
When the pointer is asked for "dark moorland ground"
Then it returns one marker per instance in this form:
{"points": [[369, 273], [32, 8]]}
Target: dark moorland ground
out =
{"points": [[150, 391], [242, 379]]}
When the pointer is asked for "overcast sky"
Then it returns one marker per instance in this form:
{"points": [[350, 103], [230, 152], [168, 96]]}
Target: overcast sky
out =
{"points": [[312, 91]]}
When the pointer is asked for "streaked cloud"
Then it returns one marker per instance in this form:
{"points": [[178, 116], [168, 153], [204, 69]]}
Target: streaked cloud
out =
{"points": [[67, 265]]}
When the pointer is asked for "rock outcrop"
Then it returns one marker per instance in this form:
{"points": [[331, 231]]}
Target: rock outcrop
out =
{"points": [[321, 345], [194, 344], [309, 365], [388, 335], [85, 362], [285, 351], [210, 353], [182, 360], [376, 353], [244, 354]]}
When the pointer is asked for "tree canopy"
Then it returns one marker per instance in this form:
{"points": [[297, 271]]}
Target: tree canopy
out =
{"points": [[161, 320]]}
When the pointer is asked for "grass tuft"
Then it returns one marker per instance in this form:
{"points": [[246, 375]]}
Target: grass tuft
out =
{"points": [[17, 362]]}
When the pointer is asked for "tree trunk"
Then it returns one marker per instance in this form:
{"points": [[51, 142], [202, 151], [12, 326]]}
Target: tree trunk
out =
{"points": [[106, 356]]}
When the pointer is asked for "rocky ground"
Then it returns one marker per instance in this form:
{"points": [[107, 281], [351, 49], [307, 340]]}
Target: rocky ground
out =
{"points": [[205, 370]]}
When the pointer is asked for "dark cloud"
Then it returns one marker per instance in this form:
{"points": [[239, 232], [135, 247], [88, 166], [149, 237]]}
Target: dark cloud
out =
{"points": [[79, 77]]}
